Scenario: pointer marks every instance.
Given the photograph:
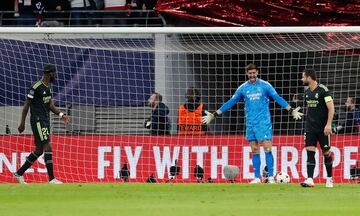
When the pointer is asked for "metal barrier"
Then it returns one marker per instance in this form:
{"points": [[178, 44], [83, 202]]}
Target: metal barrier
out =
{"points": [[76, 18]]}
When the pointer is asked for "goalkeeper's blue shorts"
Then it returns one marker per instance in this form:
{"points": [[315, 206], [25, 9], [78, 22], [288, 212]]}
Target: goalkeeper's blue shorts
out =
{"points": [[259, 132]]}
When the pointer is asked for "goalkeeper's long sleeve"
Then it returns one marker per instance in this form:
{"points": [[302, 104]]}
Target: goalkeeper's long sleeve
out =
{"points": [[257, 97], [233, 100], [272, 93]]}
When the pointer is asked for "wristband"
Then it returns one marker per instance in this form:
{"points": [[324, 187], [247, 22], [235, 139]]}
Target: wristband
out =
{"points": [[291, 110], [61, 114]]}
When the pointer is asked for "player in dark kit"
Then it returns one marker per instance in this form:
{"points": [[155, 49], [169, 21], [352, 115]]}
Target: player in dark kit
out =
{"points": [[39, 101], [320, 112]]}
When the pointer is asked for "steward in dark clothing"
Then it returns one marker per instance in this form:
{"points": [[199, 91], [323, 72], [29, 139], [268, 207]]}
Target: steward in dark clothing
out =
{"points": [[158, 123]]}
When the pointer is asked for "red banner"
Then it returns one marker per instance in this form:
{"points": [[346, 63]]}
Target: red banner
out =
{"points": [[99, 158]]}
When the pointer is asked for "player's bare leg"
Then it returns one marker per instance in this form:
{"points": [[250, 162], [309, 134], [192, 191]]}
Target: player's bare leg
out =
{"points": [[269, 160], [255, 149]]}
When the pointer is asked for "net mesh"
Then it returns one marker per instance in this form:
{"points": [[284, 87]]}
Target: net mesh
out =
{"points": [[104, 82]]}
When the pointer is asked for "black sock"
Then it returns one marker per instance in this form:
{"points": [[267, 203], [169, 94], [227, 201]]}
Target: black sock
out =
{"points": [[328, 161], [29, 161], [310, 163], [49, 165]]}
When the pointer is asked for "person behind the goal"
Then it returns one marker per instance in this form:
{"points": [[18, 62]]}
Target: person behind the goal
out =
{"points": [[39, 101], [190, 114], [256, 93]]}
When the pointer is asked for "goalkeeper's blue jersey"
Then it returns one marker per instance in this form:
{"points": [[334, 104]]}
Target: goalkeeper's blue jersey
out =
{"points": [[257, 97]]}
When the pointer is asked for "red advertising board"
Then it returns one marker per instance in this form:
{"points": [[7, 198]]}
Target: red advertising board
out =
{"points": [[99, 158]]}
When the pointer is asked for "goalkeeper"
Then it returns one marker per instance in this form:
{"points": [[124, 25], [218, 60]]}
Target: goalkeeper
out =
{"points": [[256, 93]]}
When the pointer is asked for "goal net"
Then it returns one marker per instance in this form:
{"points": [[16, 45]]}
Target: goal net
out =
{"points": [[105, 77]]}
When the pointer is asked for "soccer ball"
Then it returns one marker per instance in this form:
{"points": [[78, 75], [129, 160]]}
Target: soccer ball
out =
{"points": [[282, 178]]}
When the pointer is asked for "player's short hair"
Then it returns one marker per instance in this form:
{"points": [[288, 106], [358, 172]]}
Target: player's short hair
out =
{"points": [[49, 68], [193, 94], [251, 67], [158, 96], [310, 73]]}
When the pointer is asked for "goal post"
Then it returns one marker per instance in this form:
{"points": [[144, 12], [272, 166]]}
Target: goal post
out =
{"points": [[181, 30], [105, 77]]}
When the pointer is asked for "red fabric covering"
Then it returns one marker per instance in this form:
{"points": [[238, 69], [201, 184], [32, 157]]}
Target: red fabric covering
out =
{"points": [[264, 12]]}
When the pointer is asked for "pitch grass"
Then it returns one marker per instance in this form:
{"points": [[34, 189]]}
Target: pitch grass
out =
{"points": [[133, 199]]}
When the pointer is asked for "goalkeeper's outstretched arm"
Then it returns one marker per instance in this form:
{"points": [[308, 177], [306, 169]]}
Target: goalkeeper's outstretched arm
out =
{"points": [[294, 112], [209, 117], [282, 102]]}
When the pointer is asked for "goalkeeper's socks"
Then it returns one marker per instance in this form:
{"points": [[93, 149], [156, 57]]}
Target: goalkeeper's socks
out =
{"points": [[256, 163], [29, 161], [328, 161], [270, 163], [49, 165], [310, 163]]}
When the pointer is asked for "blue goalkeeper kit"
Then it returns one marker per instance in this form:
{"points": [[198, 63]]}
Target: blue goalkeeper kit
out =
{"points": [[258, 120], [256, 96]]}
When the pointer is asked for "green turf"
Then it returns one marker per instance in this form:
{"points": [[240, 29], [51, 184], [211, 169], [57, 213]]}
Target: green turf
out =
{"points": [[177, 199]]}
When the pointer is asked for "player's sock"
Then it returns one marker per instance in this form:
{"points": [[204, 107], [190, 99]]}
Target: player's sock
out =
{"points": [[256, 163], [310, 164], [328, 161], [49, 165], [270, 163], [29, 161]]}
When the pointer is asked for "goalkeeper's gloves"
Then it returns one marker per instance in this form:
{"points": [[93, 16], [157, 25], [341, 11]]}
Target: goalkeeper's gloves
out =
{"points": [[209, 117], [295, 113]]}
